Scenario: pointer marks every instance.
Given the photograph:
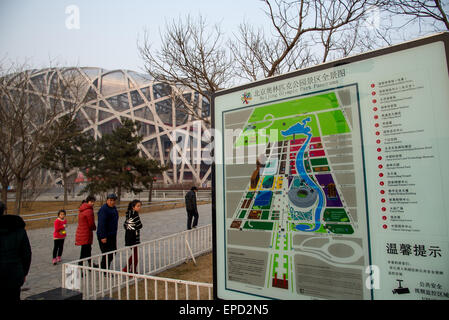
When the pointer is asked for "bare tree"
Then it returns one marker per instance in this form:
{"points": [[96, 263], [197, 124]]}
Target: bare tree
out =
{"points": [[34, 186], [295, 24], [29, 105], [434, 12], [301, 33], [6, 177], [373, 30], [258, 56], [191, 57]]}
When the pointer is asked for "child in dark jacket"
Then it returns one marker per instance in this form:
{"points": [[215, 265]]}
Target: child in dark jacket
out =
{"points": [[132, 232]]}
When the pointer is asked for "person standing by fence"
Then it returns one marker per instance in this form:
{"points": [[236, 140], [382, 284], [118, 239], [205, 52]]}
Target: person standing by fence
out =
{"points": [[132, 233], [192, 210], [107, 229], [86, 225], [59, 235], [15, 255]]}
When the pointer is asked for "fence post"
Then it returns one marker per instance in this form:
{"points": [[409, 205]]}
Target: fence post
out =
{"points": [[190, 250], [63, 275]]}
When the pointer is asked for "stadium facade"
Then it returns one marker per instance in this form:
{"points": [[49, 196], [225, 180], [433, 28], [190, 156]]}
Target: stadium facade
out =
{"points": [[116, 94]]}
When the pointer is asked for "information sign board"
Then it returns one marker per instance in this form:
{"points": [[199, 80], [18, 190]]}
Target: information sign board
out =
{"points": [[333, 182]]}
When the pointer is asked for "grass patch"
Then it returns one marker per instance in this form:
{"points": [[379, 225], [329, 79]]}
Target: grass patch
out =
{"points": [[333, 122]]}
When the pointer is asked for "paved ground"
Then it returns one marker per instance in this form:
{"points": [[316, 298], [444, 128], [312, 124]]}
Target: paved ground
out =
{"points": [[44, 275]]}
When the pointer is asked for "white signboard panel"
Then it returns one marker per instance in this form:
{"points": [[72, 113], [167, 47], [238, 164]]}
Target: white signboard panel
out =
{"points": [[333, 182]]}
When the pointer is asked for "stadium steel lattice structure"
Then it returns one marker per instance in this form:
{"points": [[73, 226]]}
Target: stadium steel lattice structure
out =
{"points": [[113, 94]]}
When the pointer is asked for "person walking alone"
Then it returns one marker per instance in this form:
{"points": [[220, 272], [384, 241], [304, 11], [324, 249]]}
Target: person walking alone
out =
{"points": [[86, 225], [15, 255], [192, 210], [107, 229], [132, 233]]}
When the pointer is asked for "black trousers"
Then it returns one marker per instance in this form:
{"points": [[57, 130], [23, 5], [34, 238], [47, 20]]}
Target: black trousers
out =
{"points": [[192, 215], [58, 247], [110, 245], [10, 294], [86, 252]]}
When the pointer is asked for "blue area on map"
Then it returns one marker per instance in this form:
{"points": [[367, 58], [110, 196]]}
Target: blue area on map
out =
{"points": [[300, 128], [263, 198]]}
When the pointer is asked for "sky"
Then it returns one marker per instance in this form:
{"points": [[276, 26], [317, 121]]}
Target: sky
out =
{"points": [[43, 33]]}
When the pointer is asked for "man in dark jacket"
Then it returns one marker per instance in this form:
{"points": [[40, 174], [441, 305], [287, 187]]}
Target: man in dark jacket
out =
{"points": [[192, 210], [107, 229], [15, 255]]}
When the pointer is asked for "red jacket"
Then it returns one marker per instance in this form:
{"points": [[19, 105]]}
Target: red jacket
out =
{"points": [[86, 224], [59, 232]]}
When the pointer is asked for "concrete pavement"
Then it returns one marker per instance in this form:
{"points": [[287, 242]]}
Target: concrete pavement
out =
{"points": [[44, 275]]}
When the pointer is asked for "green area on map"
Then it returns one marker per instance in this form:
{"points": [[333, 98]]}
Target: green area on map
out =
{"points": [[281, 116], [299, 107], [335, 215], [258, 225], [333, 122]]}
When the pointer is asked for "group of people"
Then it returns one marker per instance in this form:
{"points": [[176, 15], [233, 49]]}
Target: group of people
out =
{"points": [[106, 231], [107, 228], [15, 248]]}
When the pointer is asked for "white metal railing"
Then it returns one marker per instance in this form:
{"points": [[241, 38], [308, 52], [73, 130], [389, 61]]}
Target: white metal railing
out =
{"points": [[171, 199], [179, 194], [153, 257], [74, 212]]}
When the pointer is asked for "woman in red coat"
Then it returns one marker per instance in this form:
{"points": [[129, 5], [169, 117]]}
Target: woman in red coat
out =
{"points": [[86, 226]]}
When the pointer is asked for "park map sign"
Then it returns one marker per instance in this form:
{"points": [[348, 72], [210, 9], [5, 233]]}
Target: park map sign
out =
{"points": [[333, 182]]}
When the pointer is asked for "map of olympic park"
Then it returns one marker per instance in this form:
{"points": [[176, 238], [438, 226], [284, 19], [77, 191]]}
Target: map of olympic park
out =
{"points": [[295, 220]]}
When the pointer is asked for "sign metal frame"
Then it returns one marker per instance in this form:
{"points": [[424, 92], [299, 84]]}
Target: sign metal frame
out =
{"points": [[441, 37]]}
